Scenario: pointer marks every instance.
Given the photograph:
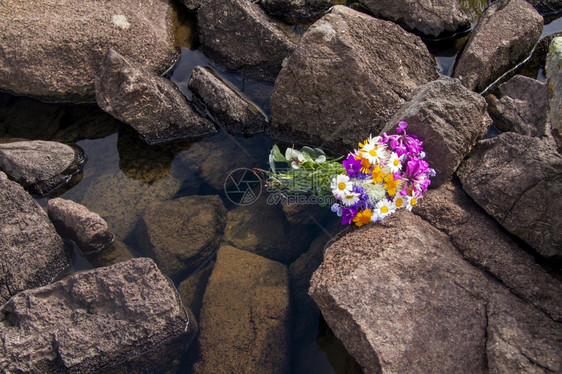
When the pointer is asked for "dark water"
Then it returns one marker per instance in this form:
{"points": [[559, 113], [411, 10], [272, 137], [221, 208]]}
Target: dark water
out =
{"points": [[123, 175]]}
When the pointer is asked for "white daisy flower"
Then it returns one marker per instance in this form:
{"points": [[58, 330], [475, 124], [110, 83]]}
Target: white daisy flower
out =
{"points": [[412, 201], [400, 201], [374, 152], [394, 163], [351, 199], [341, 186], [384, 208]]}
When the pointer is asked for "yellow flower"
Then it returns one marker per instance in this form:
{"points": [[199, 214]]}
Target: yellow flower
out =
{"points": [[378, 175], [390, 184], [363, 217], [365, 165]]}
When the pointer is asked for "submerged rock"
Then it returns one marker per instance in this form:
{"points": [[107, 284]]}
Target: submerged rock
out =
{"points": [[74, 221], [483, 242], [150, 104], [505, 35], [337, 87], [428, 17], [226, 105], [448, 118], [192, 289], [31, 251], [24, 117], [92, 320], [400, 296], [182, 233], [40, 166], [246, 316], [522, 107], [296, 9], [52, 50], [517, 179], [256, 49]]}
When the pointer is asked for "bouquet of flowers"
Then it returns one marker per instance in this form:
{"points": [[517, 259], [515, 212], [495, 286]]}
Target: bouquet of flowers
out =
{"points": [[385, 173]]}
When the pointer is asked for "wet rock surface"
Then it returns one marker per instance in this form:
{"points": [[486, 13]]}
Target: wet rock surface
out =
{"points": [[522, 108], [504, 36], [52, 50], [92, 319], [147, 102], [382, 291], [431, 18], [485, 244], [448, 118], [40, 166], [31, 251], [182, 233], [245, 317], [296, 9], [225, 104], [337, 86], [514, 178], [74, 221], [257, 50]]}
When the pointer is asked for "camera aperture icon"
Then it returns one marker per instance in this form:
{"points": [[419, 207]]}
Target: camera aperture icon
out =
{"points": [[242, 186]]}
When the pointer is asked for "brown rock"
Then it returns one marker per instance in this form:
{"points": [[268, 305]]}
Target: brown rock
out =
{"points": [[91, 320], [40, 166], [522, 107], [448, 118], [505, 34], [257, 50], [337, 87], [74, 221], [225, 104], [483, 243], [428, 17], [245, 316], [192, 289], [402, 299], [547, 6], [516, 179], [31, 252], [150, 104], [52, 50], [182, 233]]}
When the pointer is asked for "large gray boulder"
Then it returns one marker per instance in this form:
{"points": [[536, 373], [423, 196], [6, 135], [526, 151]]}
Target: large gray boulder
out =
{"points": [[227, 106], [182, 233], [150, 104], [428, 17], [31, 251], [448, 118], [522, 107], [337, 87], [471, 230], [505, 35], [517, 179], [40, 166], [76, 222], [402, 298], [52, 50], [93, 319], [257, 49], [245, 317]]}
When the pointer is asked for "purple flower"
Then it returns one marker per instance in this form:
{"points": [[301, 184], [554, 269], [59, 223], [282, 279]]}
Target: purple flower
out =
{"points": [[351, 165], [402, 127], [347, 215], [415, 175]]}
